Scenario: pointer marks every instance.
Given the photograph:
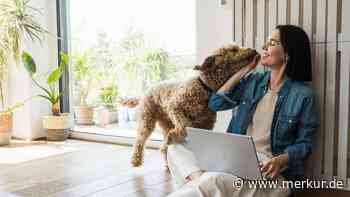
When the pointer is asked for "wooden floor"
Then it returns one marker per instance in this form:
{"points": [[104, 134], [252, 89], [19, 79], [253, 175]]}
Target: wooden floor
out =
{"points": [[94, 170]]}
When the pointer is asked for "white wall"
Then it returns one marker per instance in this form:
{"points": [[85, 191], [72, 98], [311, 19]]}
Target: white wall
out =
{"points": [[27, 120], [214, 28]]}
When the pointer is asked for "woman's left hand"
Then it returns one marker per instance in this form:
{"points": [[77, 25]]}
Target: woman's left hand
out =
{"points": [[274, 165]]}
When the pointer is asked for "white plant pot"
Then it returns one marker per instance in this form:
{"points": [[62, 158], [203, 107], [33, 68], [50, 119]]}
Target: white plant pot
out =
{"points": [[58, 126], [132, 114], [123, 117], [101, 116], [113, 117], [6, 122]]}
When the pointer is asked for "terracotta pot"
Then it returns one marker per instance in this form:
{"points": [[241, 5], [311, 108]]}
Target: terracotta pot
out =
{"points": [[5, 128], [84, 115], [58, 126]]}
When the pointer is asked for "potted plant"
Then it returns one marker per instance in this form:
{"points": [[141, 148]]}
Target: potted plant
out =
{"points": [[83, 74], [57, 124], [16, 21], [104, 61], [108, 99], [6, 122]]}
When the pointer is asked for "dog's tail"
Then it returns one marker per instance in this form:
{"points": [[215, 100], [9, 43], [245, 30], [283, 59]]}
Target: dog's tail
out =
{"points": [[131, 102]]}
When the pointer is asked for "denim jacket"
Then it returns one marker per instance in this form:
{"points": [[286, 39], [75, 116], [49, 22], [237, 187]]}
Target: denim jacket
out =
{"points": [[294, 120]]}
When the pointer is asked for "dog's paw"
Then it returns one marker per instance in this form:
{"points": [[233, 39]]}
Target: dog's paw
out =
{"points": [[136, 161], [137, 157]]}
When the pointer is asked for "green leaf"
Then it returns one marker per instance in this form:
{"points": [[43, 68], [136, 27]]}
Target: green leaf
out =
{"points": [[58, 97], [29, 63], [54, 76], [41, 87], [51, 100], [64, 60], [11, 109]]}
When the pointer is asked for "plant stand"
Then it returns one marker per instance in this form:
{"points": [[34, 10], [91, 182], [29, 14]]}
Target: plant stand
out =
{"points": [[5, 129], [58, 126]]}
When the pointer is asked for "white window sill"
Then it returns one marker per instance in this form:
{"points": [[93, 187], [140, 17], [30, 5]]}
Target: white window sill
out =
{"points": [[113, 133]]}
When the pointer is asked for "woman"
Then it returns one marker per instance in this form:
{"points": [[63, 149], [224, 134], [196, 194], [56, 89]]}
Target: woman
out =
{"points": [[276, 107]]}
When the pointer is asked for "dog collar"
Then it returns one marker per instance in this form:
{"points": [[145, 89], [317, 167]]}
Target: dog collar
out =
{"points": [[205, 85]]}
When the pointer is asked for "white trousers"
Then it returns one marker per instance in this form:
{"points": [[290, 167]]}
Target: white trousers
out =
{"points": [[182, 163]]}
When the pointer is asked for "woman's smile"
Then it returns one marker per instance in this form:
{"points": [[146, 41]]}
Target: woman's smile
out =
{"points": [[265, 54]]}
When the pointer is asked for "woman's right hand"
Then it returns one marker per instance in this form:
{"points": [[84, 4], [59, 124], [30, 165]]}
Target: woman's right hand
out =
{"points": [[195, 175], [252, 64], [234, 79]]}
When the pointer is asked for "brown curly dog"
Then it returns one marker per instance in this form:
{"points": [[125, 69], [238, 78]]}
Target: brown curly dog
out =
{"points": [[175, 106]]}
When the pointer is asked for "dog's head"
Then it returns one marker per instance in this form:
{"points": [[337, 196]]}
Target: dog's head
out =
{"points": [[219, 67]]}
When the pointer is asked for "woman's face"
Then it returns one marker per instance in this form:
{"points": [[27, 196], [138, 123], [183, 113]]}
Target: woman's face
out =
{"points": [[273, 53]]}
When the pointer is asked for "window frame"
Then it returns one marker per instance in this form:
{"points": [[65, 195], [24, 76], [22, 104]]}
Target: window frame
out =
{"points": [[63, 46]]}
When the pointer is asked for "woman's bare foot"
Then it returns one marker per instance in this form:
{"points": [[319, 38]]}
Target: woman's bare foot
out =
{"points": [[194, 175]]}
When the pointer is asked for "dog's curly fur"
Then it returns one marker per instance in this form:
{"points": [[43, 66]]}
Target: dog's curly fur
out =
{"points": [[175, 106]]}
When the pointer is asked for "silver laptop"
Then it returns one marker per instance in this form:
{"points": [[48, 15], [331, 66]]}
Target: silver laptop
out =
{"points": [[224, 152]]}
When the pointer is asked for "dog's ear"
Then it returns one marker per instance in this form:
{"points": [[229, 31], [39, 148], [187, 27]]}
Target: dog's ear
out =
{"points": [[206, 64]]}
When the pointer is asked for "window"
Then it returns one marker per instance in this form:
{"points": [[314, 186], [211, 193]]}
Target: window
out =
{"points": [[119, 49]]}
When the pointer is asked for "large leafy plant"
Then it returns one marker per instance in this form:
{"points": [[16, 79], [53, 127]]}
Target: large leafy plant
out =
{"points": [[84, 76], [17, 20], [108, 96], [107, 70], [95, 73], [143, 61], [50, 89]]}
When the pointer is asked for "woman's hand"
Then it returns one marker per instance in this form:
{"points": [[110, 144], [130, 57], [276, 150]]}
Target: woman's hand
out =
{"points": [[194, 175], [254, 63], [234, 79], [274, 165], [243, 71]]}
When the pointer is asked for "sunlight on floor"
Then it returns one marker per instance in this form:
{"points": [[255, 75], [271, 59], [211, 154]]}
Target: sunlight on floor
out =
{"points": [[21, 151]]}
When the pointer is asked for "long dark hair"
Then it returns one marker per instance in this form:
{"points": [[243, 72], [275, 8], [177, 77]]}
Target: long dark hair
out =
{"points": [[296, 44]]}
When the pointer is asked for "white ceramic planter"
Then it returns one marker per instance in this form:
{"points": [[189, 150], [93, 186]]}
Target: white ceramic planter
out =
{"points": [[6, 122], [113, 117], [132, 113], [58, 126], [101, 116], [123, 117]]}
